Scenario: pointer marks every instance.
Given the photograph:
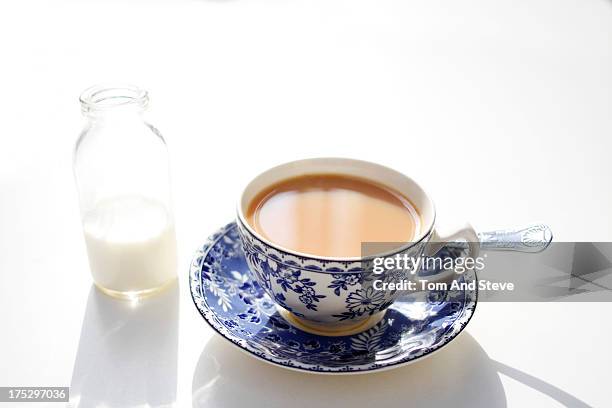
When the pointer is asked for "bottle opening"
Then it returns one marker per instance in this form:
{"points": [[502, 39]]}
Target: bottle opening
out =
{"points": [[107, 97]]}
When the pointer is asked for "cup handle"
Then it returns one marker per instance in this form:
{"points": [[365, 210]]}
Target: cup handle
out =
{"points": [[437, 241]]}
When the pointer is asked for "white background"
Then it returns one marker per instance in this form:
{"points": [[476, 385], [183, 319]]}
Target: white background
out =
{"points": [[501, 109]]}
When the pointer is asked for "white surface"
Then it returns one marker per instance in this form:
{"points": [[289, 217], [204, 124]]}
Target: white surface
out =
{"points": [[515, 92]]}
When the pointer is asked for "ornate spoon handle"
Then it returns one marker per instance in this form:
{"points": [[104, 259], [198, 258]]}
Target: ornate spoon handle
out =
{"points": [[533, 238]]}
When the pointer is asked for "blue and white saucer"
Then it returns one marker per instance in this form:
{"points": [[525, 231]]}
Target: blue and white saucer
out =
{"points": [[237, 308]]}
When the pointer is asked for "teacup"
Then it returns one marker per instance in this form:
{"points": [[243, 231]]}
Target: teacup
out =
{"points": [[335, 295]]}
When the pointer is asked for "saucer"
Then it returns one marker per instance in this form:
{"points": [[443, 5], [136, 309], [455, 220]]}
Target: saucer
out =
{"points": [[237, 308]]}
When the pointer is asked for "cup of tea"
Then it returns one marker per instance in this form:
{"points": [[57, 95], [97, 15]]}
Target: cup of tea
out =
{"points": [[302, 225]]}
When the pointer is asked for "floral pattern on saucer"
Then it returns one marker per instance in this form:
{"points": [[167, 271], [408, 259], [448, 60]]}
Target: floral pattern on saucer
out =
{"points": [[234, 305]]}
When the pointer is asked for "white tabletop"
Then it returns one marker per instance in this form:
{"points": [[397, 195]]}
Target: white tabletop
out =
{"points": [[501, 109]]}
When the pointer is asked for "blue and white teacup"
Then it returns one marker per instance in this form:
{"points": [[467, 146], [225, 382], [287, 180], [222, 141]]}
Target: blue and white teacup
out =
{"points": [[335, 295]]}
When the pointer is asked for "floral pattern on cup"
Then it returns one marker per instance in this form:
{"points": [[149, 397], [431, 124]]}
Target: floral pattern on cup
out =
{"points": [[324, 291]]}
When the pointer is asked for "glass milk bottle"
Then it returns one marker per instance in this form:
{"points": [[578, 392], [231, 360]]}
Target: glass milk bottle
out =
{"points": [[122, 177]]}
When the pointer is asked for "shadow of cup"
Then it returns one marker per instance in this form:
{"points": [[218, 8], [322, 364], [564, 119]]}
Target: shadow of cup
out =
{"points": [[459, 375], [127, 353]]}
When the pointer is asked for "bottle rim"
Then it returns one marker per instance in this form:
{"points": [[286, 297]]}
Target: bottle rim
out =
{"points": [[105, 97]]}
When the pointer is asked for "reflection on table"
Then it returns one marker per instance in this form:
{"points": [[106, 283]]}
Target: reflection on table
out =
{"points": [[127, 353]]}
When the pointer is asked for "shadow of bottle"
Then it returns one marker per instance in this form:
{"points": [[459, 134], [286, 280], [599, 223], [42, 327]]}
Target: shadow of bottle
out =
{"points": [[127, 353], [460, 375]]}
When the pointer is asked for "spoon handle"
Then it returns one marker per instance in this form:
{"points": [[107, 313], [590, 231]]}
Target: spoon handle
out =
{"points": [[532, 238]]}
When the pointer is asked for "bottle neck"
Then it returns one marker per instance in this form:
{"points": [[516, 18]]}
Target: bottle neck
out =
{"points": [[113, 101]]}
